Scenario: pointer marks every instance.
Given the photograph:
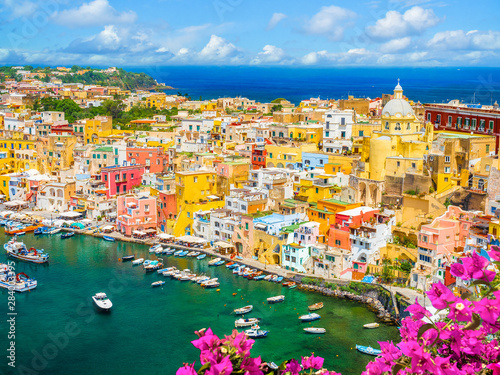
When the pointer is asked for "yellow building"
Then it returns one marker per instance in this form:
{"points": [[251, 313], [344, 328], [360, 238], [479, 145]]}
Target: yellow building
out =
{"points": [[312, 133], [157, 100], [313, 189], [287, 156], [100, 126], [56, 154], [17, 155]]}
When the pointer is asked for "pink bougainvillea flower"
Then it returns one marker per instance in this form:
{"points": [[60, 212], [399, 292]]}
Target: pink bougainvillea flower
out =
{"points": [[458, 270], [475, 265], [440, 296], [251, 366], [488, 309], [220, 367], [187, 369], [240, 342], [418, 311], [495, 367], [312, 362], [293, 367], [389, 351], [494, 253], [207, 341], [460, 311]]}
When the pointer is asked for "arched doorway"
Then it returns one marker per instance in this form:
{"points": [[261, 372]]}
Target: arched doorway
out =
{"points": [[280, 165], [480, 184], [270, 165], [239, 247], [276, 259]]}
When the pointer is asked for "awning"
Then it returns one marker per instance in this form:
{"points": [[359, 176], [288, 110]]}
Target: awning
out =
{"points": [[15, 203], [70, 214], [78, 225], [139, 233], [149, 231], [223, 244], [108, 227], [192, 239], [165, 236]]}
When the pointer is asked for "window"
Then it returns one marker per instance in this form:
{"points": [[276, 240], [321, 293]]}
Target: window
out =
{"points": [[196, 179], [342, 134], [408, 126], [487, 148], [482, 125], [387, 125], [361, 133], [473, 127], [459, 122], [337, 242], [317, 190], [429, 117], [467, 123], [105, 156], [446, 159], [490, 125], [414, 165], [438, 119], [446, 179], [398, 126], [246, 226], [450, 119], [446, 169], [342, 121], [271, 155], [399, 163]]}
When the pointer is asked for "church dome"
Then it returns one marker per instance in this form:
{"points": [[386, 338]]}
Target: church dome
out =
{"points": [[395, 106]]}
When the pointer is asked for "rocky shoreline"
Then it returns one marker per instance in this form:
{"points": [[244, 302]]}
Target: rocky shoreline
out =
{"points": [[373, 304]]}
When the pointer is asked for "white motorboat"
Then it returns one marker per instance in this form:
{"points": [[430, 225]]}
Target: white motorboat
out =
{"points": [[203, 279], [159, 251], [137, 261], [157, 283], [256, 333], [243, 310], [153, 249], [211, 284], [213, 261], [268, 277], [315, 330], [102, 302], [245, 322], [371, 325], [309, 317], [276, 299]]}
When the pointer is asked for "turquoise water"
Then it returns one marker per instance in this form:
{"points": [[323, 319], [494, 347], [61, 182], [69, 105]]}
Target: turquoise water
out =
{"points": [[149, 329]]}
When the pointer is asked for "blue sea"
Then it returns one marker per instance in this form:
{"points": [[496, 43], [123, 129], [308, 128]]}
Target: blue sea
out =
{"points": [[427, 85]]}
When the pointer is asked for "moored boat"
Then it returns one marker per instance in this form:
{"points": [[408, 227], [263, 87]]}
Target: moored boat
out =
{"points": [[276, 299], [256, 333], [138, 261], [108, 238], [368, 350], [316, 306], [213, 261], [18, 230], [371, 325], [54, 230], [157, 283], [243, 310], [102, 302], [153, 249], [245, 322], [211, 284], [18, 250], [67, 235], [19, 283], [202, 256], [126, 258], [309, 317], [315, 330], [153, 266]]}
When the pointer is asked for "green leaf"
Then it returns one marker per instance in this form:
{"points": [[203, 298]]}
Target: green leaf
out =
{"points": [[476, 321], [396, 368], [202, 369], [423, 329]]}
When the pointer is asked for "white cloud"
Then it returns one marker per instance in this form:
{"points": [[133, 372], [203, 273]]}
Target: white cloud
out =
{"points": [[396, 24], [20, 8], [395, 45], [275, 19], [271, 55], [461, 40], [329, 21], [94, 13], [219, 50]]}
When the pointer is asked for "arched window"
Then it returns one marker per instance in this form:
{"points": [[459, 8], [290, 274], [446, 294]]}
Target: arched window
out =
{"points": [[398, 126], [408, 126], [387, 125]]}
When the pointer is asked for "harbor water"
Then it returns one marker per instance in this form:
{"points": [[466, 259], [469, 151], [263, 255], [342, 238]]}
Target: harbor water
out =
{"points": [[149, 330]]}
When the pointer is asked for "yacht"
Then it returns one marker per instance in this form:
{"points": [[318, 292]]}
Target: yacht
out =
{"points": [[102, 302]]}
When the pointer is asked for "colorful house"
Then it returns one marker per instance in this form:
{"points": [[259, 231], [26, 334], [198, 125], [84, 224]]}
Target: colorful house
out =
{"points": [[120, 180], [135, 213]]}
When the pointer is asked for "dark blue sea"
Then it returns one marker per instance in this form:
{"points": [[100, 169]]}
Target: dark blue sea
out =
{"points": [[427, 85]]}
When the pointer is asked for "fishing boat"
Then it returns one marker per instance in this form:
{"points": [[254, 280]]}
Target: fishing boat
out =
{"points": [[202, 256], [188, 277], [256, 333], [159, 251], [18, 229], [243, 310], [314, 330], [165, 269], [316, 306], [368, 350], [276, 299], [279, 278], [153, 249], [18, 250], [146, 262], [157, 283], [138, 261], [237, 270], [287, 283], [153, 266], [169, 251], [231, 265], [165, 250], [39, 231], [19, 283], [213, 261], [309, 317], [371, 325], [245, 322], [108, 238], [126, 258], [102, 302], [193, 253], [219, 263], [259, 277], [210, 284], [67, 235]]}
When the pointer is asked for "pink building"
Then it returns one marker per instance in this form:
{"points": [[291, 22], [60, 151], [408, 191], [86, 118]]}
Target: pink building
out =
{"points": [[155, 159], [135, 213], [120, 180], [167, 208]]}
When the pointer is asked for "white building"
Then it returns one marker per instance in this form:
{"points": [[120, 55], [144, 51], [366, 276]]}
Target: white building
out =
{"points": [[337, 131], [51, 197]]}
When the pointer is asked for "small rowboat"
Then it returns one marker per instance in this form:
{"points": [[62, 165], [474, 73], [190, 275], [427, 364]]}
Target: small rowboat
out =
{"points": [[368, 350], [309, 317], [371, 325], [276, 299], [202, 256], [138, 261], [67, 235], [316, 306], [243, 310], [153, 249], [292, 286], [127, 257], [108, 238], [246, 322], [256, 333], [157, 283], [314, 330], [287, 283]]}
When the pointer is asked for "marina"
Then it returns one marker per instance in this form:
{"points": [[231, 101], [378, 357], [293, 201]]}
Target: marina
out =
{"points": [[87, 263]]}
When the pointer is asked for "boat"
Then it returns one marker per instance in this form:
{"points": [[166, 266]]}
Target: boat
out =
{"points": [[256, 333], [183, 254], [272, 366], [193, 253], [314, 330], [213, 261], [126, 258], [207, 280], [243, 310], [108, 238], [259, 277], [287, 283], [138, 261], [309, 317], [165, 250], [39, 231], [21, 233], [245, 322], [146, 262], [187, 277], [159, 251], [268, 277], [153, 266], [316, 306], [67, 235], [211, 284], [157, 283], [371, 325], [276, 299], [293, 286], [153, 249], [18, 250], [19, 230], [18, 283], [368, 350], [279, 278], [202, 256], [202, 279], [178, 252], [102, 302], [219, 263], [165, 269]]}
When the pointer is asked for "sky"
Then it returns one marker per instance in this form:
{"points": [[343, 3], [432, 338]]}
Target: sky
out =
{"points": [[303, 33]]}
